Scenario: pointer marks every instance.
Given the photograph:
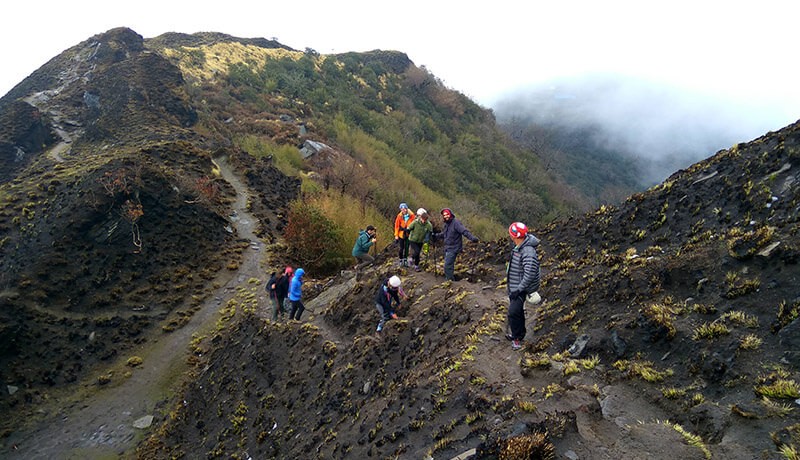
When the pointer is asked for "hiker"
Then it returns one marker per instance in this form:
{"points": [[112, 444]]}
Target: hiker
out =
{"points": [[296, 294], [452, 233], [390, 291], [419, 232], [523, 280], [282, 289], [401, 223], [366, 238], [270, 288]]}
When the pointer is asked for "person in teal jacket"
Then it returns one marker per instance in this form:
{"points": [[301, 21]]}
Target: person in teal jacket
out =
{"points": [[366, 238]]}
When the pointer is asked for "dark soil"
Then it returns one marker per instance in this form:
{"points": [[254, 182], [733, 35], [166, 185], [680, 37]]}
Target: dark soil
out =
{"points": [[642, 380]]}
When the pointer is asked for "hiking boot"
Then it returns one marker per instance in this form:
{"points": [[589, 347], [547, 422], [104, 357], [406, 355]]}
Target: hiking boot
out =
{"points": [[416, 268], [380, 328], [509, 337], [516, 344]]}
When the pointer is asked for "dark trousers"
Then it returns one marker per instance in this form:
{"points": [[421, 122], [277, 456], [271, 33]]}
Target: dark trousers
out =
{"points": [[516, 317], [276, 307], [415, 248], [402, 244], [363, 259], [450, 264], [297, 309]]}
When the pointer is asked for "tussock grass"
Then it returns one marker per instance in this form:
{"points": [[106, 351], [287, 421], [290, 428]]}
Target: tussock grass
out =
{"points": [[571, 367], [673, 393], [710, 330], [691, 439], [663, 314], [750, 342], [740, 319], [552, 390], [775, 408], [526, 406], [590, 362], [781, 389], [642, 369], [789, 452]]}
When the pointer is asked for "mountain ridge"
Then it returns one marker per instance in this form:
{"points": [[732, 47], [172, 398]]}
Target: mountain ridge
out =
{"points": [[113, 232]]}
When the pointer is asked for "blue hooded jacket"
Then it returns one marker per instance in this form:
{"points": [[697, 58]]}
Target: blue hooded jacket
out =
{"points": [[296, 286]]}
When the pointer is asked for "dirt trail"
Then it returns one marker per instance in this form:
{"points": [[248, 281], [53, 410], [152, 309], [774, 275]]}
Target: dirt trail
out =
{"points": [[101, 426]]}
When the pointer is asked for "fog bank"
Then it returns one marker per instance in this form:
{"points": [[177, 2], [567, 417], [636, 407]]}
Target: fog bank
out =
{"points": [[661, 128]]}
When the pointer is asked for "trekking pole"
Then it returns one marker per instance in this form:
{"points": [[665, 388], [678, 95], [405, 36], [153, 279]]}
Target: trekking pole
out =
{"points": [[472, 266], [435, 274]]}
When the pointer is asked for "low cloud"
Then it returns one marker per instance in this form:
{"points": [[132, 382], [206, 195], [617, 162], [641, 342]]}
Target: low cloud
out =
{"points": [[661, 128]]}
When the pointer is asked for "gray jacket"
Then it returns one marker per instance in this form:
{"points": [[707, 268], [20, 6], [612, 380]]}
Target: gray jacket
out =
{"points": [[523, 269]]}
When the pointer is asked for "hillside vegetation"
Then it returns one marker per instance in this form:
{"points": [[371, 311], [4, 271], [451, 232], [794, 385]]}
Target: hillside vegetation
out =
{"points": [[115, 220]]}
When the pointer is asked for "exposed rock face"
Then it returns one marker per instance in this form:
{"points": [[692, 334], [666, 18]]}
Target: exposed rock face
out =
{"points": [[24, 133]]}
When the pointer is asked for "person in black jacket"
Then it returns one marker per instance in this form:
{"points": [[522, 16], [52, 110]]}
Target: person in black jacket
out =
{"points": [[282, 290], [389, 292], [270, 288], [523, 279]]}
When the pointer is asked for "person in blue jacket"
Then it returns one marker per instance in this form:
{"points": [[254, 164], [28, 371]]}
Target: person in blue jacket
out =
{"points": [[387, 299], [296, 294], [452, 235]]}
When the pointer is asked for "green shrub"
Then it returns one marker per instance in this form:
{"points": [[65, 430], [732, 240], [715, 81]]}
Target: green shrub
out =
{"points": [[313, 239]]}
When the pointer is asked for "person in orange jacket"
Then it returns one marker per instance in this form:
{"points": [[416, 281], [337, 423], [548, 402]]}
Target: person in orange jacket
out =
{"points": [[401, 223]]}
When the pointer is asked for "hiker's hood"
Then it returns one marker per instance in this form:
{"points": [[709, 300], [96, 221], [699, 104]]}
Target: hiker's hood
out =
{"points": [[299, 273], [530, 240]]}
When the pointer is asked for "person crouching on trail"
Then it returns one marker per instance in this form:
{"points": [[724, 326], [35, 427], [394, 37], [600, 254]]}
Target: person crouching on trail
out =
{"points": [[389, 292], [401, 223], [523, 279], [366, 238], [419, 232], [296, 294], [452, 236]]}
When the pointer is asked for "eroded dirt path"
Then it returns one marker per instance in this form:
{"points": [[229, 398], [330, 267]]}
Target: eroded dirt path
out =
{"points": [[97, 423]]}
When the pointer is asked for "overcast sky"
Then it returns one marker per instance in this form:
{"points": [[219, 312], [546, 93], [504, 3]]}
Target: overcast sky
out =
{"points": [[745, 52]]}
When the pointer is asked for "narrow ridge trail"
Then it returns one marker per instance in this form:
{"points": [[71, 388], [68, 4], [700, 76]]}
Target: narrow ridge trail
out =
{"points": [[97, 422]]}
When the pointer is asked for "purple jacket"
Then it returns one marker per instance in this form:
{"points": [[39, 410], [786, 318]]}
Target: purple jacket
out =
{"points": [[452, 233]]}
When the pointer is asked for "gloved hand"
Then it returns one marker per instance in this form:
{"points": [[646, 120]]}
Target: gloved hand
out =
{"points": [[515, 294], [425, 248]]}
